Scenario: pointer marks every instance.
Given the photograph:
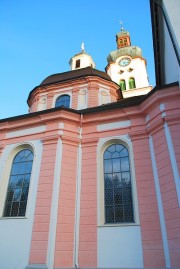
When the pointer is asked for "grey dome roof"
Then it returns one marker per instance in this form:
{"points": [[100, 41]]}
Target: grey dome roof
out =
{"points": [[123, 33], [132, 51]]}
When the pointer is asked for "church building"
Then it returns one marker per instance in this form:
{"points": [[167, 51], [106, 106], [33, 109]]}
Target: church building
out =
{"points": [[89, 178]]}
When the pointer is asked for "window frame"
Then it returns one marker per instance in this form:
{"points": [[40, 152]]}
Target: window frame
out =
{"points": [[131, 81], [61, 96], [5, 174], [60, 93], [22, 187], [124, 83], [103, 144], [77, 63], [113, 191]]}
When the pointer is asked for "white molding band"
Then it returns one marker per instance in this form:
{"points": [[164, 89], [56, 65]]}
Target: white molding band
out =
{"points": [[77, 209], [36, 266], [28, 131], [173, 160], [113, 125], [160, 204], [54, 206]]}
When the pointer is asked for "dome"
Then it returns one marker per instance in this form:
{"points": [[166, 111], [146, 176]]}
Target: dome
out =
{"points": [[81, 60], [132, 51]]}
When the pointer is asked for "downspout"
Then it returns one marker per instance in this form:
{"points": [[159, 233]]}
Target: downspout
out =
{"points": [[78, 196]]}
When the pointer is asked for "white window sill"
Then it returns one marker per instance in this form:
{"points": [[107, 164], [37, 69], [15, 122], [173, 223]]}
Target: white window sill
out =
{"points": [[117, 225], [10, 218]]}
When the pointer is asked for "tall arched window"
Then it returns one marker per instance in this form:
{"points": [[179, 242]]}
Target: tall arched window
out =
{"points": [[63, 100], [132, 83], [18, 187], [117, 185], [122, 84]]}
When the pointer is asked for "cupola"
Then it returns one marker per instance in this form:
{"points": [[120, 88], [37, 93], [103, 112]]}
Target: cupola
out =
{"points": [[81, 60], [127, 67]]}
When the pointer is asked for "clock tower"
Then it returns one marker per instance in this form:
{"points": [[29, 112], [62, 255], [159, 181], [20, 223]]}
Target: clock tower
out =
{"points": [[127, 67]]}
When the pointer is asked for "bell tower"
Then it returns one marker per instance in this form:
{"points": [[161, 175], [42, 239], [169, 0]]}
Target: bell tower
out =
{"points": [[123, 39], [81, 60], [127, 67]]}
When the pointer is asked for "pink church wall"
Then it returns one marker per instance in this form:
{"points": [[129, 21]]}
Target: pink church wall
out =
{"points": [[38, 252], [138, 131], [148, 209], [169, 195], [88, 210], [66, 213]]}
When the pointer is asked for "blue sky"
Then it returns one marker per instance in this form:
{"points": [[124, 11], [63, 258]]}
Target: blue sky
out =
{"points": [[39, 37]]}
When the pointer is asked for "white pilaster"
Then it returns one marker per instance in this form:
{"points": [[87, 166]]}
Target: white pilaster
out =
{"points": [[173, 160], [77, 209], [54, 206]]}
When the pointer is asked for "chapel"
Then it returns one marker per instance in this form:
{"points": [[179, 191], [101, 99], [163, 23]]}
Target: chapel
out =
{"points": [[89, 178]]}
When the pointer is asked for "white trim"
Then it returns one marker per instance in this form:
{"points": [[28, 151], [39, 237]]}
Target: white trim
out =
{"points": [[162, 107], [28, 131], [160, 204], [54, 206], [82, 92], [100, 96], [173, 160], [42, 103], [77, 208], [64, 89], [113, 125]]}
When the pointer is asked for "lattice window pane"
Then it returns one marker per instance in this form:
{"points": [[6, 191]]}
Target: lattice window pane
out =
{"points": [[119, 216], [108, 181], [116, 165], [109, 214], [108, 166], [15, 209], [117, 183], [124, 164], [127, 196], [128, 213], [117, 180], [109, 197], [118, 196]]}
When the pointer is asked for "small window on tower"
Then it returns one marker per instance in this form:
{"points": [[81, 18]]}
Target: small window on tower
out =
{"points": [[132, 84], [77, 63], [122, 84]]}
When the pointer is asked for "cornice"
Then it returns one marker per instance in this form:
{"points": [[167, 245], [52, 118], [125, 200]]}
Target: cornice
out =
{"points": [[89, 142], [138, 135], [52, 139], [72, 141]]}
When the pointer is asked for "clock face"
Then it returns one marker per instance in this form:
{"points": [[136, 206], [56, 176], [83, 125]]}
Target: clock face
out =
{"points": [[124, 61]]}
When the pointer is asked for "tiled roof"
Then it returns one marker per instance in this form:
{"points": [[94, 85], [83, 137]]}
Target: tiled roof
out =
{"points": [[87, 71]]}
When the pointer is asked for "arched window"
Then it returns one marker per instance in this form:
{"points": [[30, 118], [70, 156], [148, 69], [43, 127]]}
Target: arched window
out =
{"points": [[132, 83], [18, 187], [122, 85], [117, 185], [63, 100]]}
